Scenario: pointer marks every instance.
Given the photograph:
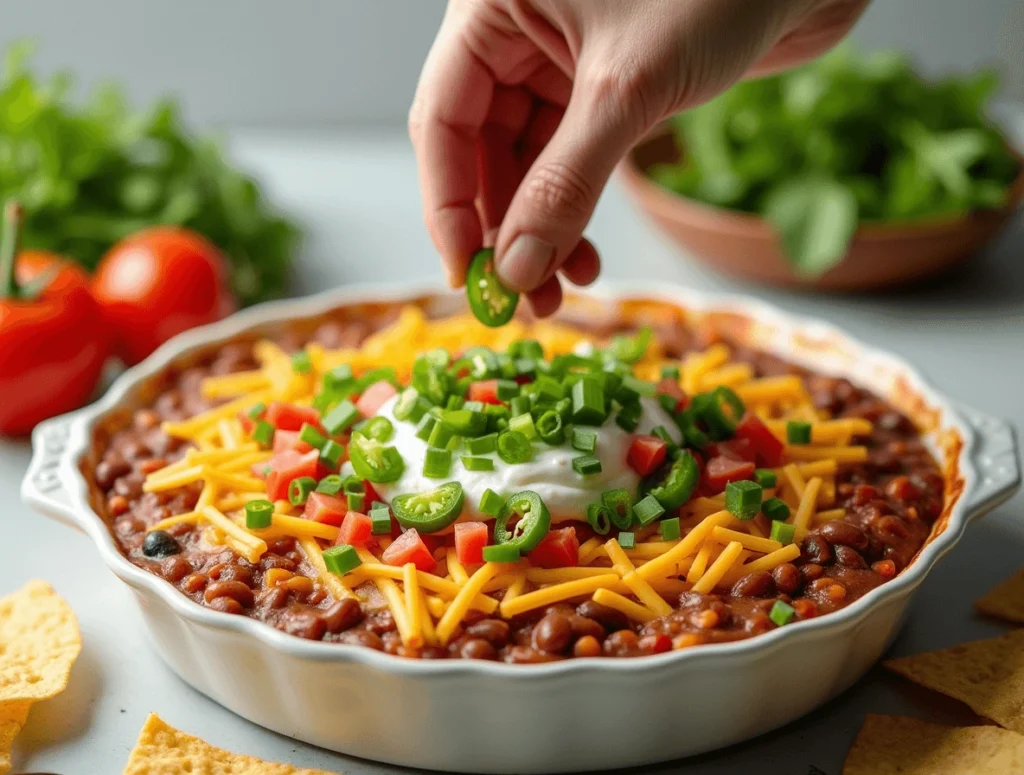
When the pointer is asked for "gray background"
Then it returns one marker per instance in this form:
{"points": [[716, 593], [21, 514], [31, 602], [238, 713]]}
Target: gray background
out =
{"points": [[300, 71], [328, 62]]}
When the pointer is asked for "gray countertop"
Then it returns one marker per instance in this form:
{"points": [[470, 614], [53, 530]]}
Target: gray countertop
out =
{"points": [[357, 194]]}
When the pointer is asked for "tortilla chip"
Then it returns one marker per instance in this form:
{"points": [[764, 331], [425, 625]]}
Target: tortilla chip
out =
{"points": [[39, 641], [988, 675], [1005, 601], [164, 750], [894, 745]]}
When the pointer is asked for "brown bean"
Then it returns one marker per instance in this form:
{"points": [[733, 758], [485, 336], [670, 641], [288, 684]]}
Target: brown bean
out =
{"points": [[524, 655], [607, 617], [890, 527], [477, 648], [815, 549], [233, 589], [587, 646], [381, 622], [851, 558], [621, 643], [583, 626], [840, 533], [756, 584], [227, 605], [268, 561], [494, 631], [144, 419], [552, 633], [175, 568], [303, 622], [130, 486], [117, 505], [362, 638], [281, 545], [342, 614], [231, 572], [195, 582], [108, 471], [392, 643], [811, 571], [273, 598], [787, 578]]}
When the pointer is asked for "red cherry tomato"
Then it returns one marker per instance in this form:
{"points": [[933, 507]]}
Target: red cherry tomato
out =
{"points": [[158, 283], [53, 341]]}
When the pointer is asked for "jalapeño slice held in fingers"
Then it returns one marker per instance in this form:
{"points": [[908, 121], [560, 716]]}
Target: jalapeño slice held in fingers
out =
{"points": [[491, 302]]}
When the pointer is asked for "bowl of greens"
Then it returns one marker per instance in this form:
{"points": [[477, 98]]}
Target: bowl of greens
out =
{"points": [[850, 173]]}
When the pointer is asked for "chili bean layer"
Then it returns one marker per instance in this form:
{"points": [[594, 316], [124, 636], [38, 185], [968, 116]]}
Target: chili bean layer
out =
{"points": [[891, 502]]}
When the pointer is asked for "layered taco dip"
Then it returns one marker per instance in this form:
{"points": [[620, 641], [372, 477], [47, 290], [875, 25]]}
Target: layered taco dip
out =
{"points": [[618, 485]]}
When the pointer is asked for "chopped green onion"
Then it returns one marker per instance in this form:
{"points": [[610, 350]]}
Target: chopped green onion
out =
{"points": [[550, 429], [525, 367], [765, 477], [628, 417], [331, 453], [490, 503], [373, 376], [630, 349], [627, 540], [426, 428], [692, 435], [482, 445], [330, 485], [514, 447], [301, 363], [781, 613], [380, 520], [668, 403], [619, 504], [782, 532], [670, 530], [519, 405], [256, 411], [526, 348], [258, 514], [670, 372], [588, 406], [341, 559], [507, 389], [584, 440], [477, 463], [743, 499], [798, 432], [775, 509], [466, 422], [440, 436], [662, 433], [454, 403], [640, 387], [339, 380], [585, 465], [411, 406], [501, 553], [263, 433], [523, 424], [720, 410], [474, 406], [356, 501], [379, 428], [311, 436], [599, 518], [353, 485], [647, 509], [340, 418], [299, 490], [454, 443], [437, 464]]}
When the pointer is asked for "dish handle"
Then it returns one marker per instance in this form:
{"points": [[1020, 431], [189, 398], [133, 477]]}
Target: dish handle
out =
{"points": [[995, 458], [44, 487]]}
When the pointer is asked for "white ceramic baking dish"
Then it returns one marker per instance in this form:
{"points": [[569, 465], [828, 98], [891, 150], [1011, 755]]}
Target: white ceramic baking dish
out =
{"points": [[579, 714]]}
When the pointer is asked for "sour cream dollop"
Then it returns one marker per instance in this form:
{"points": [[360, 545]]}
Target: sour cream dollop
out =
{"points": [[549, 473]]}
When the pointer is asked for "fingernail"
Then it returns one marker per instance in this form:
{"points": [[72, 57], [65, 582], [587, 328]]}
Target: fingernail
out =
{"points": [[526, 263]]}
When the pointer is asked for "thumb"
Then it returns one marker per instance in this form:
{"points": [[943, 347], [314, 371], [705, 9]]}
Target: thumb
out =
{"points": [[558, 194]]}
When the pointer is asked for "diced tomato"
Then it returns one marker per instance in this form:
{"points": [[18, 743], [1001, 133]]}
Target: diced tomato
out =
{"points": [[767, 447], [286, 467], [740, 449], [721, 470], [670, 387], [409, 547], [284, 440], [324, 508], [248, 424], [374, 397], [470, 540], [558, 549], [288, 417], [646, 454], [371, 494], [485, 391], [355, 529]]}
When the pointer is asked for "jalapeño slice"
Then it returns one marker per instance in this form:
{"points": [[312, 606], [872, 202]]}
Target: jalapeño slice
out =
{"points": [[429, 511], [373, 461], [534, 521], [672, 485], [492, 303]]}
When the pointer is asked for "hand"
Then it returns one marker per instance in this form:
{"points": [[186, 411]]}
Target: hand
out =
{"points": [[524, 108]]}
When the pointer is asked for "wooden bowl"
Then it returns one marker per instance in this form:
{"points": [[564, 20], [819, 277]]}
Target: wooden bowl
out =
{"points": [[745, 245]]}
